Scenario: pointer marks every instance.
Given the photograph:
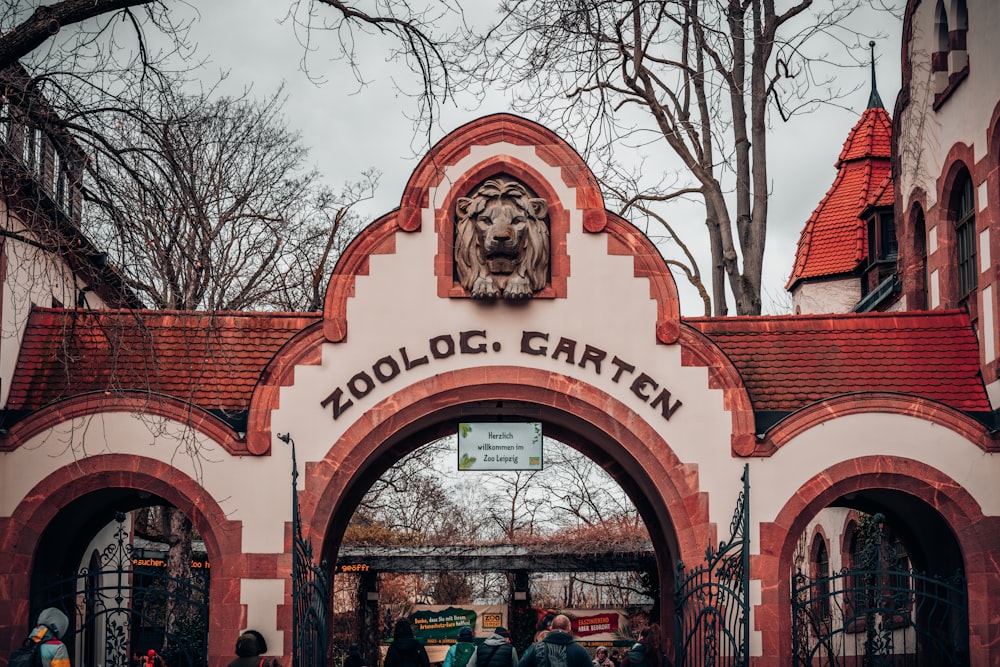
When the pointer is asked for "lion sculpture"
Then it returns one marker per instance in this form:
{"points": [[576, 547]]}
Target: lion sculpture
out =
{"points": [[502, 241]]}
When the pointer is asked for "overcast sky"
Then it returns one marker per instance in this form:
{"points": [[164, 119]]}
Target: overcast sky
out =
{"points": [[350, 128]]}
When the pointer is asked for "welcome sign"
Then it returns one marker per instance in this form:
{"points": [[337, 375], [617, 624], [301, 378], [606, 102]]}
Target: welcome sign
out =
{"points": [[500, 446]]}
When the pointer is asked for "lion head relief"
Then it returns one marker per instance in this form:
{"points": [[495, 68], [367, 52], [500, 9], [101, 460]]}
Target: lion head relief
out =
{"points": [[502, 241]]}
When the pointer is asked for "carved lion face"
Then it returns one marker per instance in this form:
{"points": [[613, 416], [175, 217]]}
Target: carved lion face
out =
{"points": [[502, 241]]}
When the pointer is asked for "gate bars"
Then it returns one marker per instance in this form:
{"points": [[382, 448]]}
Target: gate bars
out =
{"points": [[118, 608], [711, 609], [880, 611], [310, 588]]}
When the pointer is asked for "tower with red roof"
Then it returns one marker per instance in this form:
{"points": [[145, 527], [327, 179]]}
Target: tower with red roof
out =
{"points": [[845, 259]]}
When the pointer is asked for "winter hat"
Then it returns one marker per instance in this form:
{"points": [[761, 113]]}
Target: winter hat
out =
{"points": [[502, 631], [250, 643], [54, 620], [465, 634]]}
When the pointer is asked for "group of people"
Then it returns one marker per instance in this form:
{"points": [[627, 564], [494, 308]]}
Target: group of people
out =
{"points": [[554, 647], [495, 651]]}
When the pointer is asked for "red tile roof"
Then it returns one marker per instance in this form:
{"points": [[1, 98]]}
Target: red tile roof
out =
{"points": [[833, 241], [883, 195], [214, 361], [211, 360], [789, 362]]}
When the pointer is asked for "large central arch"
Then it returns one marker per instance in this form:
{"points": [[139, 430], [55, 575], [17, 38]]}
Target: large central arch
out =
{"points": [[664, 490]]}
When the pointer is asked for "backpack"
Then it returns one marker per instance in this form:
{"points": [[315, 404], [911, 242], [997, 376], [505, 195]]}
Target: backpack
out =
{"points": [[550, 655], [463, 651], [637, 655], [28, 655]]}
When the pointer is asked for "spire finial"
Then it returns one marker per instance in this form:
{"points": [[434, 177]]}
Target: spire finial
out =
{"points": [[874, 101]]}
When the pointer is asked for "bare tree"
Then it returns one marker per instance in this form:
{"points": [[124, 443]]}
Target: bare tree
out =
{"points": [[410, 504], [212, 207], [89, 50], [582, 494], [695, 75]]}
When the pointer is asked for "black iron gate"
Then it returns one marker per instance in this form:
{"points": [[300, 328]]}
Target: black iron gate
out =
{"points": [[121, 606], [880, 612], [310, 589], [712, 613]]}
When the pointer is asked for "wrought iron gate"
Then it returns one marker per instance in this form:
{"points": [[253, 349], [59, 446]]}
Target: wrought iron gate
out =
{"points": [[880, 612], [119, 607], [712, 613], [310, 589]]}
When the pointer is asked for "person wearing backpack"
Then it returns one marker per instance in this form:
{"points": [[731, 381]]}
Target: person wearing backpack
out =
{"points": [[496, 651], [45, 642], [405, 650], [557, 649], [649, 650], [460, 652]]}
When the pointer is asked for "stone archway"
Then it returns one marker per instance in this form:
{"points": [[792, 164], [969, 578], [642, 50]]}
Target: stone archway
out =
{"points": [[85, 496], [881, 481], [664, 490]]}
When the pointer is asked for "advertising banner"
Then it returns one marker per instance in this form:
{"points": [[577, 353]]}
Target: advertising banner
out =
{"points": [[441, 625], [600, 624], [601, 627]]}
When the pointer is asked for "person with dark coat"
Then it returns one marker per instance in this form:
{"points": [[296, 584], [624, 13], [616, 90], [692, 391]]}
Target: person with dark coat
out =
{"points": [[648, 651], [558, 649], [405, 650], [250, 646], [496, 651], [354, 658]]}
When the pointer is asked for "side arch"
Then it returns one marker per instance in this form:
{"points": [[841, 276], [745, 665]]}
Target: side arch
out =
{"points": [[974, 532], [68, 484]]}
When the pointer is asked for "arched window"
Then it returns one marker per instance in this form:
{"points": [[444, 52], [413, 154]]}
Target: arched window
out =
{"points": [[964, 211], [820, 566], [950, 60], [941, 29], [920, 296]]}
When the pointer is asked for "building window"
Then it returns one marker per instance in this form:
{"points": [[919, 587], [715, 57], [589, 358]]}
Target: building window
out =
{"points": [[879, 279], [920, 256], [950, 60], [821, 575], [965, 235], [882, 244]]}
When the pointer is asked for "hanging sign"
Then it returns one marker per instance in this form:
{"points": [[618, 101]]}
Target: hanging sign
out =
{"points": [[500, 446]]}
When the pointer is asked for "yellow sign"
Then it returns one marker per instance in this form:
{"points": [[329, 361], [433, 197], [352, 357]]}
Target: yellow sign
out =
{"points": [[492, 621]]}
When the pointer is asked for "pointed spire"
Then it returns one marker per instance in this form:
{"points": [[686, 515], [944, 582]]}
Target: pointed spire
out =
{"points": [[874, 101]]}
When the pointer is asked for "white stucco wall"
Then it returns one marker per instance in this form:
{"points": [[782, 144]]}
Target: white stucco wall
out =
{"points": [[826, 296]]}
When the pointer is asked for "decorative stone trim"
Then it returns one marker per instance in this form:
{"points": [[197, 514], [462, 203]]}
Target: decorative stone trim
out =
{"points": [[881, 402], [134, 402], [698, 350]]}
